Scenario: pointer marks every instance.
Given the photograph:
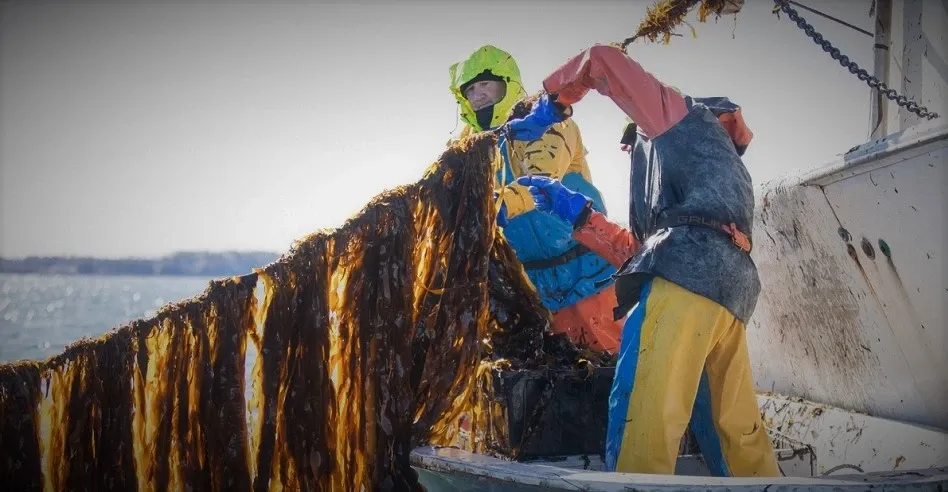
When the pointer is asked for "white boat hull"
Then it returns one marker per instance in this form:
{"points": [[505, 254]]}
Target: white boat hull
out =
{"points": [[819, 447], [450, 469]]}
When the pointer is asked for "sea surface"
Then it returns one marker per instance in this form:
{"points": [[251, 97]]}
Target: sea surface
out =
{"points": [[41, 314]]}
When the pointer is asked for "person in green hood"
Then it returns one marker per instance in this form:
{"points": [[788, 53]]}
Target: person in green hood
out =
{"points": [[574, 283]]}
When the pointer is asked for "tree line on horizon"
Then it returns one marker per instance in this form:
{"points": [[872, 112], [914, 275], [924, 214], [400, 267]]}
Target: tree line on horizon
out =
{"points": [[182, 263]]}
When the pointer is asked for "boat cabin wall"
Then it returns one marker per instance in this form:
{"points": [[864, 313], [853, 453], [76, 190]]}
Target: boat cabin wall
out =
{"points": [[916, 61]]}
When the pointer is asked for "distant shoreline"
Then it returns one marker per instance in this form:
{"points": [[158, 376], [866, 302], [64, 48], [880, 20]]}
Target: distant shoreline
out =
{"points": [[182, 264]]}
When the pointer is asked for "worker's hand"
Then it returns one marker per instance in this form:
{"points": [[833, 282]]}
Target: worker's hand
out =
{"points": [[551, 196], [502, 213], [545, 113]]}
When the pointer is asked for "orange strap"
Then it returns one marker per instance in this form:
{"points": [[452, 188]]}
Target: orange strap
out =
{"points": [[740, 239]]}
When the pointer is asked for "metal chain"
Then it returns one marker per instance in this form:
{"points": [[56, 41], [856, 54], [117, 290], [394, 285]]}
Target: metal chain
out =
{"points": [[854, 69]]}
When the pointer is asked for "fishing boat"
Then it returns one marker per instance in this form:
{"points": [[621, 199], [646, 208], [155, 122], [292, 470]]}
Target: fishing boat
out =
{"points": [[847, 340], [849, 336]]}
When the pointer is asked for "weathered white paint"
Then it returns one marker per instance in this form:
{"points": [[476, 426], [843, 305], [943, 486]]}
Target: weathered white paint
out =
{"points": [[902, 206], [878, 107], [836, 325], [918, 62], [452, 469], [844, 441], [812, 439]]}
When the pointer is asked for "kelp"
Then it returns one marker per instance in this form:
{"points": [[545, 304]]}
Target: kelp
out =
{"points": [[155, 405], [369, 340], [664, 17], [20, 395]]}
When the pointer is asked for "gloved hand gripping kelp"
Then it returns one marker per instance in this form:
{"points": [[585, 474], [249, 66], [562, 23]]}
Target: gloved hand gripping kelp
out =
{"points": [[370, 340], [551, 196], [543, 114]]}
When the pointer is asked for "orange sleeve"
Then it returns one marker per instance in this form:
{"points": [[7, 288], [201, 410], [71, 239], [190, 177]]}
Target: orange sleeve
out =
{"points": [[607, 239], [653, 106]]}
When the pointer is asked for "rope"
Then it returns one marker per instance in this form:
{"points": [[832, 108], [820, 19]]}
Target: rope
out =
{"points": [[861, 74], [666, 14], [834, 19]]}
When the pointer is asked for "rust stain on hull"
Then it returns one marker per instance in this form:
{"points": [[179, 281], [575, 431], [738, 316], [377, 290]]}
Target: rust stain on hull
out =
{"points": [[810, 309]]}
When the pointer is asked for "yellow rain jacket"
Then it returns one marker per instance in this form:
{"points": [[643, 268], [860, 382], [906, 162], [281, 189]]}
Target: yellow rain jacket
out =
{"points": [[563, 271]]}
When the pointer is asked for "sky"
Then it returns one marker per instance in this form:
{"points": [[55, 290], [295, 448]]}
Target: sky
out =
{"points": [[141, 129]]}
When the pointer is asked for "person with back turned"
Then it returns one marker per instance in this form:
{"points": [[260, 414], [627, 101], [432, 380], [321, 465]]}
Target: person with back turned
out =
{"points": [[687, 274]]}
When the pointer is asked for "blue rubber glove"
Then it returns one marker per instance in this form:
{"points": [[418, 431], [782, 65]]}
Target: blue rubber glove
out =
{"points": [[545, 114], [551, 196]]}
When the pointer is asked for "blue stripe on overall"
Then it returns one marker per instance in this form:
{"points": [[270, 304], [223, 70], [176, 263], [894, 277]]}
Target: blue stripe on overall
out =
{"points": [[702, 423]]}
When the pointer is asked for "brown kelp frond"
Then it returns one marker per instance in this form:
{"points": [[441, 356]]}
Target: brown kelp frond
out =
{"points": [[20, 395], [522, 107], [665, 16], [369, 339]]}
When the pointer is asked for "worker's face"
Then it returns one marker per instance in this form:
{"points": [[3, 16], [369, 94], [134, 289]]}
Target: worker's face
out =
{"points": [[484, 93]]}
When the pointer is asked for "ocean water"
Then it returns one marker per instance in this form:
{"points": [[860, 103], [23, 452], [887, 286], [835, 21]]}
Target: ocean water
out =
{"points": [[41, 314]]}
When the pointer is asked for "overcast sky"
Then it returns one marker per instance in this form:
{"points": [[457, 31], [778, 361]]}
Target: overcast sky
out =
{"points": [[134, 128]]}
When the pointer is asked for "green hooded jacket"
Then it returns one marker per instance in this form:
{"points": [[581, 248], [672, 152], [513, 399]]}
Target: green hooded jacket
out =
{"points": [[499, 63]]}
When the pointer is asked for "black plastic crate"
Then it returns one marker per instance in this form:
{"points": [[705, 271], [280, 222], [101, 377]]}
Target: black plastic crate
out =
{"points": [[555, 413]]}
